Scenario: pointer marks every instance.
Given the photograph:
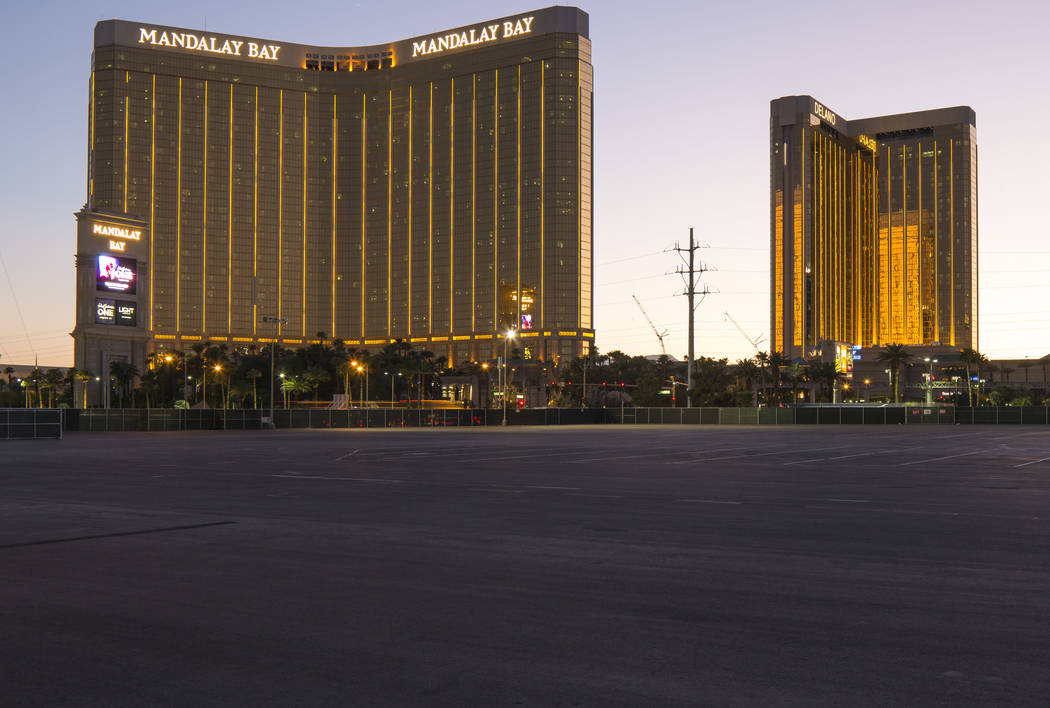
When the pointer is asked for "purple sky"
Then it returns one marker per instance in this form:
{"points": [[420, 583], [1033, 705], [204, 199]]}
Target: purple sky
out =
{"points": [[682, 96]]}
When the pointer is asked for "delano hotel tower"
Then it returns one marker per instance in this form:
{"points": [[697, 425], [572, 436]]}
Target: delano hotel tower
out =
{"points": [[873, 227], [435, 189]]}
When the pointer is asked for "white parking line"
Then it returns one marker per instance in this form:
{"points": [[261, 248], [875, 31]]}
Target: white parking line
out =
{"points": [[346, 479], [540, 486], [710, 501], [761, 454], [1032, 462], [937, 459]]}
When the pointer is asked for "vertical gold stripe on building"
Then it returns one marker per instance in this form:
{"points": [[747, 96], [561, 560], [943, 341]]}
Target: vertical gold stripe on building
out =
{"points": [[495, 205], [579, 195], [543, 189], [229, 226], [817, 237], [306, 171], [152, 187], [204, 222], [364, 210], [335, 153], [255, 216], [473, 200], [126, 106], [452, 207], [411, 173], [797, 251], [389, 208], [91, 150], [517, 298], [951, 233], [937, 252], [778, 271], [178, 214], [280, 209], [906, 321], [430, 210], [923, 266]]}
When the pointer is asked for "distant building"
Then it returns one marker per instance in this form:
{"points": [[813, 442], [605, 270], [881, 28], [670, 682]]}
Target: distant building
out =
{"points": [[873, 226]]}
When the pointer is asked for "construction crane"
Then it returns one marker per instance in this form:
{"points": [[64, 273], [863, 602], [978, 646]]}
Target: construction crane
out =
{"points": [[659, 335], [752, 342]]}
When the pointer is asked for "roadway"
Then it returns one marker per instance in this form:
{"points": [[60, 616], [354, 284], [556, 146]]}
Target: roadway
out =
{"points": [[586, 566]]}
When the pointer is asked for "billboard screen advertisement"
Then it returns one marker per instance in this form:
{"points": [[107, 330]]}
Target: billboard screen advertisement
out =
{"points": [[105, 312], [115, 274], [115, 312]]}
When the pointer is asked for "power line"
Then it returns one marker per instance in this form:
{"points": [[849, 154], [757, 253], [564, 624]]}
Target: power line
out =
{"points": [[14, 297]]}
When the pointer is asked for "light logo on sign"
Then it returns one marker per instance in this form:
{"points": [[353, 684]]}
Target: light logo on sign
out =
{"points": [[116, 232], [105, 311], [823, 113], [116, 274], [212, 44], [115, 312], [469, 38]]}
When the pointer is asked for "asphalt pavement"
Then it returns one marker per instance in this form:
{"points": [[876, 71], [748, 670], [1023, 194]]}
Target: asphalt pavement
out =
{"points": [[586, 566]]}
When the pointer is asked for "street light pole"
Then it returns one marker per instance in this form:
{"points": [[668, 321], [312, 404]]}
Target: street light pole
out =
{"points": [[276, 321], [506, 342], [929, 380]]}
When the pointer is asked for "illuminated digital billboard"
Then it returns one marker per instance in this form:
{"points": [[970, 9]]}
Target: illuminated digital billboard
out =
{"points": [[115, 312], [116, 274]]}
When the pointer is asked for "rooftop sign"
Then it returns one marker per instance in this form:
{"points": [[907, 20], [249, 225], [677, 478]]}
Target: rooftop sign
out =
{"points": [[473, 36], [824, 113], [208, 43]]}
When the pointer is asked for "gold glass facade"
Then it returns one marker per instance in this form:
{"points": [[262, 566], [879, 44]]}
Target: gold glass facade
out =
{"points": [[883, 228], [369, 194]]}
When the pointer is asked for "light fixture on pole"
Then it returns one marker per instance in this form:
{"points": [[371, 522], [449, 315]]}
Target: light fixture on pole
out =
{"points": [[276, 321], [929, 380], [506, 341]]}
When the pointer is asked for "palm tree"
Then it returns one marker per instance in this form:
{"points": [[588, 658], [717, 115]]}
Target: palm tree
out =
{"points": [[149, 383], [895, 355], [971, 358], [124, 373], [51, 380], [83, 376], [762, 361], [314, 376], [747, 370], [239, 390], [776, 362], [826, 375], [254, 375], [796, 371], [289, 386], [36, 376]]}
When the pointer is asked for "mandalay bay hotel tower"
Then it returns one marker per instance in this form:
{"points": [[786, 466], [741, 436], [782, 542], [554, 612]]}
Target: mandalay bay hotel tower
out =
{"points": [[434, 189], [873, 228]]}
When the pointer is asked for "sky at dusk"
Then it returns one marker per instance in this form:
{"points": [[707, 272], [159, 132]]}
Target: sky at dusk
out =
{"points": [[681, 139]]}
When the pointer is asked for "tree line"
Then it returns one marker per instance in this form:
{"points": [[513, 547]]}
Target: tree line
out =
{"points": [[216, 375]]}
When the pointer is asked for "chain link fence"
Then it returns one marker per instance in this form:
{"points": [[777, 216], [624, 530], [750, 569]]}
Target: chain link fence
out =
{"points": [[16, 423], [30, 423]]}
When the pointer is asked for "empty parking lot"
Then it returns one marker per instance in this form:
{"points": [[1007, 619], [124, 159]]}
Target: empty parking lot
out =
{"points": [[601, 566]]}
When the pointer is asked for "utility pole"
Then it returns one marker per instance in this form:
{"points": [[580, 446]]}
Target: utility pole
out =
{"points": [[691, 279], [275, 321]]}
